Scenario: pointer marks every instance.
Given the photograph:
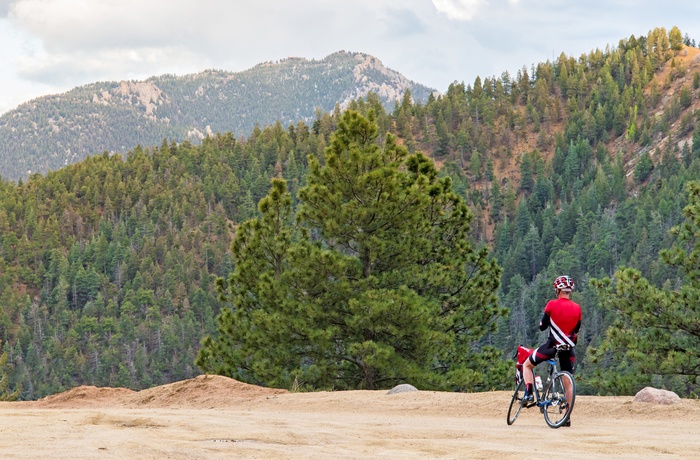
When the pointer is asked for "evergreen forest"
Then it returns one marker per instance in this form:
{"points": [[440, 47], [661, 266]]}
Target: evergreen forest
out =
{"points": [[135, 270]]}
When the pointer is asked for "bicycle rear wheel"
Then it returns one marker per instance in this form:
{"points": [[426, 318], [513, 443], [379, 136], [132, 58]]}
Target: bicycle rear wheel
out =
{"points": [[516, 403], [557, 408]]}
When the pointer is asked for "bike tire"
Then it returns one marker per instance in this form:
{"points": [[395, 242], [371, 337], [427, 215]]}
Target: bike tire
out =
{"points": [[557, 409], [516, 403]]}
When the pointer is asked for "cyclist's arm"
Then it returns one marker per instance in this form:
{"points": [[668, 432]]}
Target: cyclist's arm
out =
{"points": [[574, 333], [544, 322]]}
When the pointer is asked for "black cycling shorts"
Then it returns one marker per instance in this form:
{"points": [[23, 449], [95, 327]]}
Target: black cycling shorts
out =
{"points": [[567, 358]]}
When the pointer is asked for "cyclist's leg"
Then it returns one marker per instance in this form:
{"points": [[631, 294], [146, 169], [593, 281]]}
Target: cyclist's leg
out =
{"points": [[528, 378], [541, 354], [567, 362]]}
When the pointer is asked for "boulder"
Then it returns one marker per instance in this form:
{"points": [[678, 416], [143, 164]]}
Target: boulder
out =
{"points": [[403, 388], [656, 396]]}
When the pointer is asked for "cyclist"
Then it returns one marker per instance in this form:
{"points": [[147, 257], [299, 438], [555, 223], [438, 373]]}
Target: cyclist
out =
{"points": [[563, 318]]}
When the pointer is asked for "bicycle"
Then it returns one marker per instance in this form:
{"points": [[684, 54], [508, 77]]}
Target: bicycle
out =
{"points": [[552, 401]]}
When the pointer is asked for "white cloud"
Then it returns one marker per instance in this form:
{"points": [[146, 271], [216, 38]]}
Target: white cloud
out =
{"points": [[460, 10], [4, 7], [94, 24], [66, 69]]}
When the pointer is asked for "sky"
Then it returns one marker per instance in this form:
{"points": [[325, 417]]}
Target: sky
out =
{"points": [[52, 46]]}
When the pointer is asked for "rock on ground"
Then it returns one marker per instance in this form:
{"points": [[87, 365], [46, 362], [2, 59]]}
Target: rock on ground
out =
{"points": [[403, 388], [656, 396]]}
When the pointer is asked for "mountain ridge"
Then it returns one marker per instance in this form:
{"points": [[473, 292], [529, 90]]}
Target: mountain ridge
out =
{"points": [[52, 131]]}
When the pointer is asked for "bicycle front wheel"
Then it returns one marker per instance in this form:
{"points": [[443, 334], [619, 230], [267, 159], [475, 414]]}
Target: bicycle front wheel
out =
{"points": [[516, 403], [557, 405]]}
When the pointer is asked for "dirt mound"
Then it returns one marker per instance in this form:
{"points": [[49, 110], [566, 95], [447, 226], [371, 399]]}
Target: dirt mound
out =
{"points": [[201, 392], [204, 391], [86, 396]]}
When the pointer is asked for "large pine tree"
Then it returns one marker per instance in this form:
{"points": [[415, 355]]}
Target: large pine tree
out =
{"points": [[376, 283]]}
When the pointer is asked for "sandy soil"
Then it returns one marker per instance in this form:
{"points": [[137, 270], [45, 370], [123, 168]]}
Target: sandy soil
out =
{"points": [[212, 417]]}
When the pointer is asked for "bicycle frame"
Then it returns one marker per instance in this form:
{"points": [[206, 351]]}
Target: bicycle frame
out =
{"points": [[545, 386]]}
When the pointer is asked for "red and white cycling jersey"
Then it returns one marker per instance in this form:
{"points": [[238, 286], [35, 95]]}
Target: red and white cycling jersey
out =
{"points": [[564, 320]]}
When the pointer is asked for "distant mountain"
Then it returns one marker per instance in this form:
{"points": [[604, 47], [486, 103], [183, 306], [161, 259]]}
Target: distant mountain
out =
{"points": [[50, 132]]}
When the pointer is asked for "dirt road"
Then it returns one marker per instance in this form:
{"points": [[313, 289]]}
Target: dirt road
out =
{"points": [[219, 418]]}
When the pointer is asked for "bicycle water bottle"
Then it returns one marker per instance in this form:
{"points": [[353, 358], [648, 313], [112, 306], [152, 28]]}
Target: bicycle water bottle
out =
{"points": [[538, 382]]}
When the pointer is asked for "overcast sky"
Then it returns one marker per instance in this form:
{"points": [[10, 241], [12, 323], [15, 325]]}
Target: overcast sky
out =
{"points": [[51, 46]]}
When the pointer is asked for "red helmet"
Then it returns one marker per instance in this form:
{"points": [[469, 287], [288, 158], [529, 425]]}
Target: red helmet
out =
{"points": [[564, 283]]}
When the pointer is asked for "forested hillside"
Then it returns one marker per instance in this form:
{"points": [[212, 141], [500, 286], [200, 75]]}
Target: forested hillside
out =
{"points": [[577, 166], [50, 132], [108, 266]]}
